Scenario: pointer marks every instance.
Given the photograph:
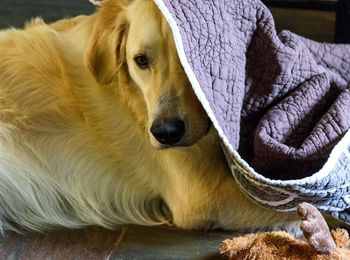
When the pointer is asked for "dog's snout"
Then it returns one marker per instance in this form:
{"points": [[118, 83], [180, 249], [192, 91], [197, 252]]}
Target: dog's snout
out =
{"points": [[169, 131]]}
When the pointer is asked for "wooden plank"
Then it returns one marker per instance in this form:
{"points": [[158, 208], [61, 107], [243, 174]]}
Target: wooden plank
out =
{"points": [[168, 243], [342, 30], [89, 243], [316, 25]]}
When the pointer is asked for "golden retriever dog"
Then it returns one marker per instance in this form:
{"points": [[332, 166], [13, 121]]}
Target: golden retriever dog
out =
{"points": [[99, 126]]}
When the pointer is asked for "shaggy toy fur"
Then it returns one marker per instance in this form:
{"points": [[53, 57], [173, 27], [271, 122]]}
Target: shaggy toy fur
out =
{"points": [[320, 245]]}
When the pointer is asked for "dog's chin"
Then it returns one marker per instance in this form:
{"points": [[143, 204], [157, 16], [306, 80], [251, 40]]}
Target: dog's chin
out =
{"points": [[182, 144], [160, 146], [175, 146]]}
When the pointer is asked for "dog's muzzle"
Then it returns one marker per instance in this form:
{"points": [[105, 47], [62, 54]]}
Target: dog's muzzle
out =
{"points": [[168, 131]]}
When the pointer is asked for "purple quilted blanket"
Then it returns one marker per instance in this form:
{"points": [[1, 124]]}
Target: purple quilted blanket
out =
{"points": [[280, 102]]}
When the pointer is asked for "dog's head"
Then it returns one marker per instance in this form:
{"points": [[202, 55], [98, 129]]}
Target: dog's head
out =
{"points": [[132, 37]]}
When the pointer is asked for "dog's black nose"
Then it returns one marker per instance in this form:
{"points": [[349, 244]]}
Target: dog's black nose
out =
{"points": [[169, 131]]}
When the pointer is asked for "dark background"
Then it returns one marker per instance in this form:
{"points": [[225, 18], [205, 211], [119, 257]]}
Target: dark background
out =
{"points": [[322, 20], [16, 12]]}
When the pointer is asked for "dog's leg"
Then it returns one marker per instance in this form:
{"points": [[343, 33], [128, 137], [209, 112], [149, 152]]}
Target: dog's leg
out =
{"points": [[204, 195]]}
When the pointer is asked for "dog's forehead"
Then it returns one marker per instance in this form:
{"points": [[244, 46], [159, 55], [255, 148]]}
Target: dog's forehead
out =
{"points": [[147, 28], [144, 9], [145, 34], [145, 14]]}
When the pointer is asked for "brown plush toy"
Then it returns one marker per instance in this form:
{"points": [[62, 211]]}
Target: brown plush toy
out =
{"points": [[321, 243]]}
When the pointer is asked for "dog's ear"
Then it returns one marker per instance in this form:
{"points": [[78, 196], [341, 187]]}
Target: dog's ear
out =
{"points": [[97, 3], [106, 51]]}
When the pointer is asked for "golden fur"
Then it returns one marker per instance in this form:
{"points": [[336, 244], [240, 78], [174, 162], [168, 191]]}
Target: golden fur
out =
{"points": [[75, 113]]}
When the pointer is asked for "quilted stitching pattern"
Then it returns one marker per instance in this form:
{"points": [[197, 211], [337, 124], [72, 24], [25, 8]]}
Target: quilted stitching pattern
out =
{"points": [[281, 101]]}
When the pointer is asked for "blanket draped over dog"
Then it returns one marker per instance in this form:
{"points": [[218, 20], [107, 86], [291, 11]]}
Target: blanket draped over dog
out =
{"points": [[280, 102]]}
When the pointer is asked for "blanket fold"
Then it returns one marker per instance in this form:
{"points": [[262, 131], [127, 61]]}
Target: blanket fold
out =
{"points": [[301, 130], [280, 102]]}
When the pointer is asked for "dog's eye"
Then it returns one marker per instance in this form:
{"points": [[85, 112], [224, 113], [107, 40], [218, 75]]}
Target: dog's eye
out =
{"points": [[142, 61]]}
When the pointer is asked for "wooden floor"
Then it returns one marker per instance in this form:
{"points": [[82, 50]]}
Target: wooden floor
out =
{"points": [[91, 243], [128, 242]]}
